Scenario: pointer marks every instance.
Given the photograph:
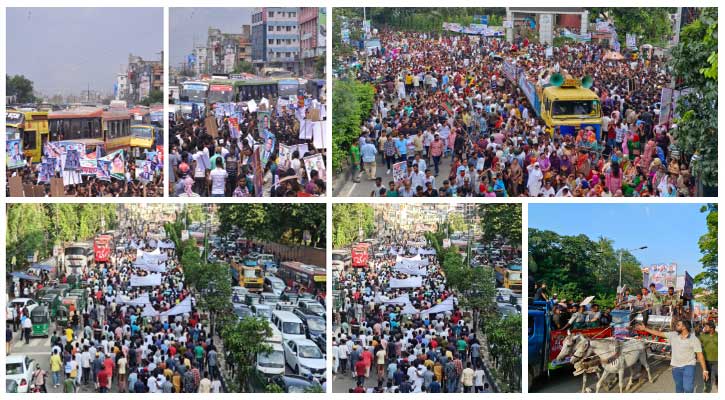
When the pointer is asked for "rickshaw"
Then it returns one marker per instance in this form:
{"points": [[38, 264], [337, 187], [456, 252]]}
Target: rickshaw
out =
{"points": [[82, 296], [74, 281], [51, 301], [40, 317], [61, 317]]}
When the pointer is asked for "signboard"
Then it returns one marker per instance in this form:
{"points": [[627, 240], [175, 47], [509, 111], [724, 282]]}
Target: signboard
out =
{"points": [[508, 24], [687, 289], [509, 70], [665, 105], [631, 40], [446, 243], [662, 275]]}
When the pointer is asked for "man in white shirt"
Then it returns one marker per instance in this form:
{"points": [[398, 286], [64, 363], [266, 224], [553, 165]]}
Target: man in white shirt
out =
{"points": [[218, 179]]}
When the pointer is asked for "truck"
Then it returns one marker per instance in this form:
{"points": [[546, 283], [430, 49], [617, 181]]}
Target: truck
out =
{"points": [[360, 254], [509, 277], [102, 246], [545, 343], [564, 103]]}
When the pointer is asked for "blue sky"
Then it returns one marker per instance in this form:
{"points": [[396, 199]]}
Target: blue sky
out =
{"points": [[670, 231], [66, 49]]}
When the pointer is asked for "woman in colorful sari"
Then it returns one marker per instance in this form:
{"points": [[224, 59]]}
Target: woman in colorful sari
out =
{"points": [[613, 179]]}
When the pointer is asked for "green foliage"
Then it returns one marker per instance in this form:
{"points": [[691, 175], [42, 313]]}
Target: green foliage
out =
{"points": [[346, 221], [706, 280], [694, 65], [320, 64], [352, 102], [503, 220], [244, 67], [273, 388], [504, 341], [280, 223], [314, 389], [652, 24], [154, 97], [35, 228], [425, 19], [243, 340], [20, 87], [576, 266], [456, 223]]}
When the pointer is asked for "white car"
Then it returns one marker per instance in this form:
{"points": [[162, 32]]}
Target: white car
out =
{"points": [[304, 357], [20, 368], [23, 302]]}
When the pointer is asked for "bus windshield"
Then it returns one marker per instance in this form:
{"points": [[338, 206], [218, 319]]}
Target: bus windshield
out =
{"points": [[575, 108], [195, 92], [252, 273], [141, 132], [220, 94], [75, 251]]}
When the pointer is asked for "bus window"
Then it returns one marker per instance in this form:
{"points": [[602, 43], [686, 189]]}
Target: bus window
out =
{"points": [[29, 142]]}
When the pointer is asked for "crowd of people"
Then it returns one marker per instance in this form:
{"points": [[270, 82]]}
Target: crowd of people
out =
{"points": [[243, 156], [129, 336], [441, 97], [394, 336], [129, 183]]}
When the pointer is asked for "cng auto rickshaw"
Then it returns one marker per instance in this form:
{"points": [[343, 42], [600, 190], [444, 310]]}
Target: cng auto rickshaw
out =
{"points": [[50, 301], [62, 317], [40, 317], [74, 281], [82, 296]]}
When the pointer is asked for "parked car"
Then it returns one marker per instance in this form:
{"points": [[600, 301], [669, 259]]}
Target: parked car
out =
{"points": [[20, 368], [304, 357], [292, 383], [314, 325], [311, 307], [242, 311]]}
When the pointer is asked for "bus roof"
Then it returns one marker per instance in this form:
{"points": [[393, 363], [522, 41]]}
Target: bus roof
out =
{"points": [[87, 142], [301, 267], [116, 114], [78, 112]]}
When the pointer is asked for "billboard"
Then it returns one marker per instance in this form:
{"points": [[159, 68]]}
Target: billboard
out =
{"points": [[662, 275]]}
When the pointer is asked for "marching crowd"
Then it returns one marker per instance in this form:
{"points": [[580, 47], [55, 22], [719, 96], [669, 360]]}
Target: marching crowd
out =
{"points": [[221, 156], [130, 338], [406, 339], [446, 97]]}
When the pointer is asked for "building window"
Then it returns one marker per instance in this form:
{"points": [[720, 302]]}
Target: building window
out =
{"points": [[293, 15], [289, 28], [271, 28], [287, 54], [271, 14], [271, 41]]}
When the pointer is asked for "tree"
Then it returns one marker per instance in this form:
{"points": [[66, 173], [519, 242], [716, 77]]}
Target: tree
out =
{"points": [[653, 25], [20, 87], [243, 340], [320, 64], [352, 102], [347, 218], [27, 225], [503, 220], [280, 223], [155, 96], [694, 66], [707, 279], [244, 67]]}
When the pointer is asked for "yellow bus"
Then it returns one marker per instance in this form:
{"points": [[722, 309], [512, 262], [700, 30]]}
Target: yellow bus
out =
{"points": [[248, 274], [142, 136], [76, 123], [570, 107], [31, 128], [117, 129]]}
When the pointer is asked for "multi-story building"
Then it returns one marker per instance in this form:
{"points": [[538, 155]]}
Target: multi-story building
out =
{"points": [[312, 36], [200, 61], [142, 76], [121, 87], [276, 37], [245, 45]]}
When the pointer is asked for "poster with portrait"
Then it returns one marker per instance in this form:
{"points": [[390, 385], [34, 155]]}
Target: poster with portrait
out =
{"points": [[317, 163], [47, 170], [52, 150], [268, 141], [263, 121], [118, 164], [144, 171], [14, 153], [234, 127], [104, 170], [285, 156], [89, 166], [258, 171], [400, 171], [72, 160]]}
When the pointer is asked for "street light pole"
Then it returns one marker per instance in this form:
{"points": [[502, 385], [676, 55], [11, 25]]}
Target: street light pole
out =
{"points": [[619, 286]]}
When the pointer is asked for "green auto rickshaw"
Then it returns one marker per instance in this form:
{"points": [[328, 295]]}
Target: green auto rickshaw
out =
{"points": [[40, 317], [62, 317], [75, 281], [51, 301]]}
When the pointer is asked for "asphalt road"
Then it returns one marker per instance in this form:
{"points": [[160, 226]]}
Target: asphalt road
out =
{"points": [[562, 381], [38, 349], [366, 185]]}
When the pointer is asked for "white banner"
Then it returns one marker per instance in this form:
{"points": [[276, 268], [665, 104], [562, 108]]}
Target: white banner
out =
{"points": [[411, 269], [445, 306], [400, 300], [412, 282], [182, 308], [399, 258], [148, 280]]}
